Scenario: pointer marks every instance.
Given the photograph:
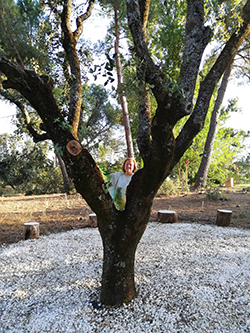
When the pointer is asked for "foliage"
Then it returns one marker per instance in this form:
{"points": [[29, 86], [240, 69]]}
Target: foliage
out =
{"points": [[27, 169], [25, 33], [225, 16], [243, 169], [167, 47], [99, 116], [215, 193], [35, 45], [227, 140], [173, 186], [110, 153]]}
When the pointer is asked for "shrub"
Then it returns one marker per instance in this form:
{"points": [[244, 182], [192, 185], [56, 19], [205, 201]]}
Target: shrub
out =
{"points": [[215, 193], [172, 186]]}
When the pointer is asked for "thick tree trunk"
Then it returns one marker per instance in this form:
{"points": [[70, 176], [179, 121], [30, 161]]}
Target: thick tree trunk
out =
{"points": [[201, 178], [121, 233], [118, 285]]}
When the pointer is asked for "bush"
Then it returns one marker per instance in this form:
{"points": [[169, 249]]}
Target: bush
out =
{"points": [[215, 193], [172, 186], [47, 182]]}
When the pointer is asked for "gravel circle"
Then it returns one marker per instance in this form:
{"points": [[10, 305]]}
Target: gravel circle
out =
{"points": [[189, 277]]}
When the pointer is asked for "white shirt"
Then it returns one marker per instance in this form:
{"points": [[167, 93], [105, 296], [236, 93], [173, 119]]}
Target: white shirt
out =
{"points": [[119, 182]]}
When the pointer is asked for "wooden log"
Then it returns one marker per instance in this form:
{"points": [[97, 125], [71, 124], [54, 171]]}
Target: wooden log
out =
{"points": [[223, 217], [167, 216], [31, 230], [92, 221]]}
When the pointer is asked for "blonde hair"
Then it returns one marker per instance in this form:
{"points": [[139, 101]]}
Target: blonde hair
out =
{"points": [[132, 160]]}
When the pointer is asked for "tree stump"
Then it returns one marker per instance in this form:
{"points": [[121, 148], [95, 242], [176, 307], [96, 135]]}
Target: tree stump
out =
{"points": [[31, 230], [223, 217], [167, 216], [92, 221]]}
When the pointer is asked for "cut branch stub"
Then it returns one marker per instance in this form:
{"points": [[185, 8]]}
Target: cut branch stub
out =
{"points": [[74, 147]]}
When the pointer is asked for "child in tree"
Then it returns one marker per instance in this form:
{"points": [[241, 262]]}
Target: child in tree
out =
{"points": [[118, 182]]}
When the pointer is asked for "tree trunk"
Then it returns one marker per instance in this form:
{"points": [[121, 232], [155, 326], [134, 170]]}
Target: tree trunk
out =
{"points": [[123, 99], [65, 176], [121, 233], [201, 178], [118, 285]]}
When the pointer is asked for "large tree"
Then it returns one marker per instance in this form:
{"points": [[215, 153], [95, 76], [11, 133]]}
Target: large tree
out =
{"points": [[121, 231]]}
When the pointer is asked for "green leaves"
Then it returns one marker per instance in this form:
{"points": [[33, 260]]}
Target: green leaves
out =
{"points": [[26, 168], [175, 88], [58, 148], [105, 69], [98, 117], [64, 125]]}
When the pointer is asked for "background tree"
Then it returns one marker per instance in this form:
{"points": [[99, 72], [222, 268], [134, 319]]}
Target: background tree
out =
{"points": [[121, 231], [226, 23], [100, 116], [122, 96], [26, 168], [201, 178]]}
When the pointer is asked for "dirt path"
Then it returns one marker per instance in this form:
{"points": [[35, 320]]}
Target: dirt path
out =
{"points": [[58, 212]]}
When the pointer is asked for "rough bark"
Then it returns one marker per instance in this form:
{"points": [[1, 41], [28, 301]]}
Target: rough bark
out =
{"points": [[69, 43], [144, 128], [223, 218], [196, 121], [197, 37], [31, 230], [201, 178]]}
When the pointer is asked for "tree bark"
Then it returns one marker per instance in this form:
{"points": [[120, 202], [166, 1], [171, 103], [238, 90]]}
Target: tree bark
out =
{"points": [[31, 230], [123, 99], [66, 182], [201, 178], [120, 239], [118, 285], [223, 218], [167, 216]]}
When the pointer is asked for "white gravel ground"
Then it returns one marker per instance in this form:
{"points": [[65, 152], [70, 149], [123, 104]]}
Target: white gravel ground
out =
{"points": [[190, 278]]}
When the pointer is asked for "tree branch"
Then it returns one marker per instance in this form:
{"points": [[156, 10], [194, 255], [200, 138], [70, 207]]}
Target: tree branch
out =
{"points": [[12, 43], [153, 74], [144, 11], [196, 121], [80, 19], [69, 45], [144, 130], [36, 136], [37, 91], [170, 106], [197, 37]]}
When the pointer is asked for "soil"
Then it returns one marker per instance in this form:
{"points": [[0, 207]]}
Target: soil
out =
{"points": [[59, 212]]}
